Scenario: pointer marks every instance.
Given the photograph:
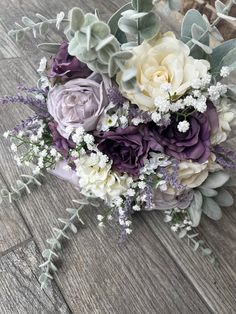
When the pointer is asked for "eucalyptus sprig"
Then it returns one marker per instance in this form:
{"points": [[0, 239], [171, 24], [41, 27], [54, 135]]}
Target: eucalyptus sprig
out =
{"points": [[40, 26], [22, 185], [55, 245]]}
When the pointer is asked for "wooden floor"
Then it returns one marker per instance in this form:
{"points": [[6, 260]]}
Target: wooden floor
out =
{"points": [[153, 273]]}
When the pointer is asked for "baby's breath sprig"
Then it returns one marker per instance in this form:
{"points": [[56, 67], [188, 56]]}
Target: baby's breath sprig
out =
{"points": [[180, 222], [55, 245]]}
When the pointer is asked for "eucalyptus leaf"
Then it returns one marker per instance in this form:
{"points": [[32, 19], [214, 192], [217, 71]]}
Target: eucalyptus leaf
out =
{"points": [[195, 208], [211, 208], [224, 198], [208, 192], [220, 51], [129, 46], [100, 30], [231, 91], [129, 74], [196, 31], [205, 48], [20, 36], [220, 6], [216, 180], [104, 42], [229, 59], [43, 28], [183, 233], [142, 5], [27, 21], [149, 26], [226, 17], [216, 34], [175, 5]]}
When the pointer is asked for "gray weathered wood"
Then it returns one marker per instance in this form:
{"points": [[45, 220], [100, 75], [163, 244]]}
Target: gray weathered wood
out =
{"points": [[153, 273], [20, 290]]}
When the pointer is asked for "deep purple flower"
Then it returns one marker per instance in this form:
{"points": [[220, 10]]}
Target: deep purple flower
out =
{"points": [[61, 144], [193, 144], [65, 66], [127, 147]]}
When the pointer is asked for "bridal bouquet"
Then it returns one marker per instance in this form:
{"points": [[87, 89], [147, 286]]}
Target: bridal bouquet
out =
{"points": [[131, 116]]}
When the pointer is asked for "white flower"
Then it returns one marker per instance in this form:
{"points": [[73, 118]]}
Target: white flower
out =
{"points": [[128, 230], [162, 104], [137, 121], [100, 217], [14, 147], [108, 122], [53, 152], [166, 87], [69, 129], [99, 181], [89, 139], [80, 130], [156, 117], [142, 185], [36, 171], [130, 192], [42, 65], [136, 208], [225, 71], [6, 134], [43, 153], [183, 126], [77, 139], [118, 201], [200, 104], [160, 61], [216, 91], [123, 120]]}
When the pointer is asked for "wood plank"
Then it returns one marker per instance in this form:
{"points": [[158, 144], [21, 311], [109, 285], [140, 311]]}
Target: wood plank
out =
{"points": [[19, 287], [216, 285]]}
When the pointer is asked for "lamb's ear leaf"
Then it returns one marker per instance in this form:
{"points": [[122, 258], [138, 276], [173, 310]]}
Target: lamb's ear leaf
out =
{"points": [[211, 208], [195, 208], [224, 198], [216, 180]]}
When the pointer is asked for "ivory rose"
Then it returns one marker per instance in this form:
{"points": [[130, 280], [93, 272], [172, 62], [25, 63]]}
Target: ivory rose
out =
{"points": [[163, 60]]}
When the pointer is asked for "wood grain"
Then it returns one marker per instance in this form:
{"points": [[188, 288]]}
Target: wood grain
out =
{"points": [[20, 290], [153, 272]]}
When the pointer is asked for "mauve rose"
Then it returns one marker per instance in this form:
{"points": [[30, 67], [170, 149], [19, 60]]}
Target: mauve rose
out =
{"points": [[127, 147], [193, 144], [79, 102], [64, 66]]}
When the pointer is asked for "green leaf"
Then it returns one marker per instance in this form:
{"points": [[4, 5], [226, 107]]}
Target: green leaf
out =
{"points": [[100, 29], [196, 31], [149, 26], [43, 28], [208, 192], [229, 59], [224, 198], [142, 5], [129, 46], [190, 18], [195, 208], [27, 21], [129, 74], [76, 17], [219, 6], [216, 180], [205, 48], [231, 92], [128, 26], [20, 35], [73, 228], [211, 208], [104, 42], [220, 51], [90, 19], [175, 5], [49, 47], [226, 17], [183, 233]]}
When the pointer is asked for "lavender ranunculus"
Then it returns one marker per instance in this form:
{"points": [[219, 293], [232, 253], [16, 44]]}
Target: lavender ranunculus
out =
{"points": [[193, 144], [127, 148], [79, 102], [61, 144], [64, 66]]}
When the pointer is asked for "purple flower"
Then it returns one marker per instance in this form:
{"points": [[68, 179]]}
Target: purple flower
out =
{"points": [[65, 66], [79, 102], [127, 147], [60, 143], [193, 144]]}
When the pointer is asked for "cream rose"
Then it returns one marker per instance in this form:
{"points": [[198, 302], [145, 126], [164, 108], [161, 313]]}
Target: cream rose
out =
{"points": [[193, 174], [163, 60]]}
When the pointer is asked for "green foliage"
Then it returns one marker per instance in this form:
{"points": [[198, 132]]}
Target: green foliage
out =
{"points": [[210, 197], [22, 186], [196, 31], [55, 245], [40, 27]]}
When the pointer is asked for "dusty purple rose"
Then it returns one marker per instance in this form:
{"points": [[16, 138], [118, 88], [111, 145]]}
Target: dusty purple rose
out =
{"points": [[127, 147], [79, 102], [193, 144], [66, 66], [61, 144]]}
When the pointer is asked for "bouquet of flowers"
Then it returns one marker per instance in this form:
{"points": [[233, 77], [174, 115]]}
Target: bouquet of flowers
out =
{"points": [[131, 116]]}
